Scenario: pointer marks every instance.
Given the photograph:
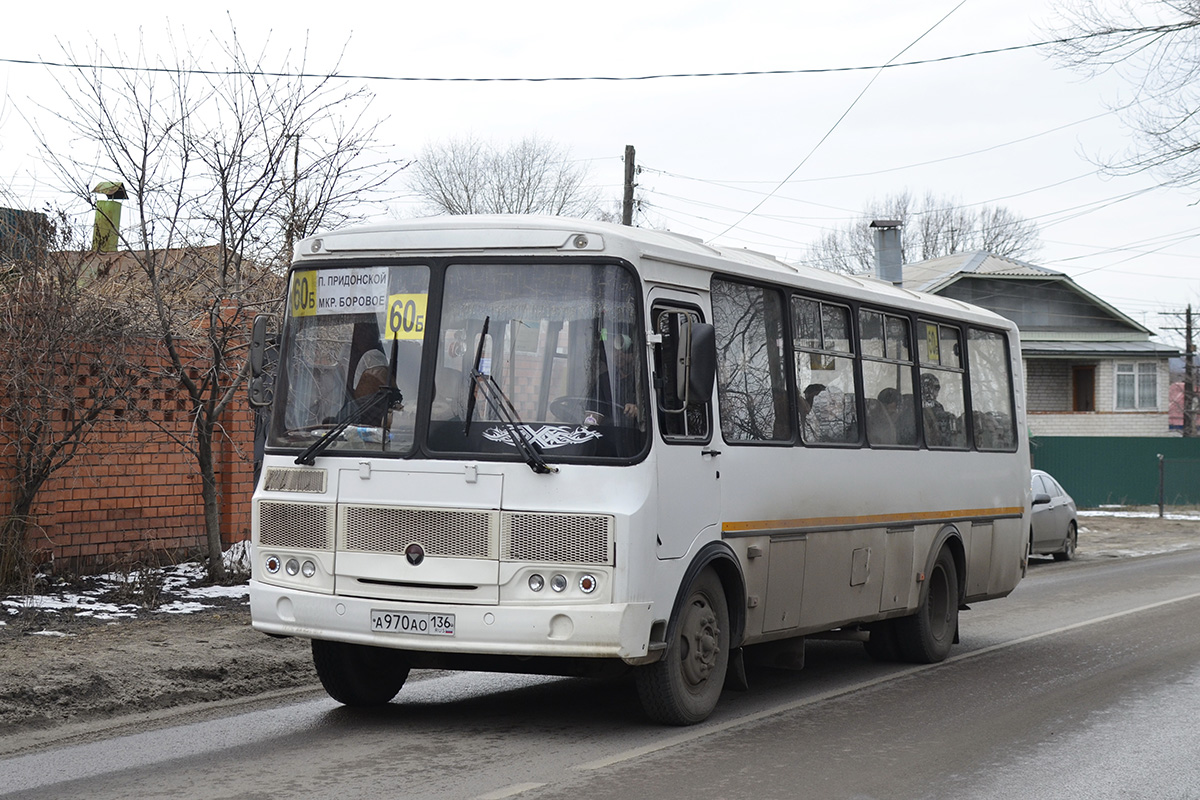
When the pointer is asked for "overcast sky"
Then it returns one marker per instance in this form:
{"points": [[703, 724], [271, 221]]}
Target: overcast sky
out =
{"points": [[1013, 129]]}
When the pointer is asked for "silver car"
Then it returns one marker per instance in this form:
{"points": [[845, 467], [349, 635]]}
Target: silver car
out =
{"points": [[1054, 529]]}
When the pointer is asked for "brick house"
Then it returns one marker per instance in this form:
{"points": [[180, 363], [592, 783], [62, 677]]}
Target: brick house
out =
{"points": [[1090, 370]]}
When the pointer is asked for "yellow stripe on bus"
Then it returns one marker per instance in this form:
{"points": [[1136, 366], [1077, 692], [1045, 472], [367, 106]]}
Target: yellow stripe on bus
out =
{"points": [[868, 520]]}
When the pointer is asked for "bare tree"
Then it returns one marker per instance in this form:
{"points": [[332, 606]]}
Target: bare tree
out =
{"points": [[933, 227], [532, 176], [65, 369], [225, 167], [1155, 46]]}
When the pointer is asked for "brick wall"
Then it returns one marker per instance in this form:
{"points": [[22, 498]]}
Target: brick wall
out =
{"points": [[1099, 424], [133, 490], [1048, 385]]}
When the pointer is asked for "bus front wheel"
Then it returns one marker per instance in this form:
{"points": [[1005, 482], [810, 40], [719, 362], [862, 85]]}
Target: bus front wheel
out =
{"points": [[358, 674], [683, 687], [926, 637]]}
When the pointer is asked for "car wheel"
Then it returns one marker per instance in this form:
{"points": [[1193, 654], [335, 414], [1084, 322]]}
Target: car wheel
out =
{"points": [[1072, 541]]}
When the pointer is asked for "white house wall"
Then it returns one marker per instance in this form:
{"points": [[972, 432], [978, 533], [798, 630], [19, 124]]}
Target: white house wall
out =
{"points": [[1049, 392]]}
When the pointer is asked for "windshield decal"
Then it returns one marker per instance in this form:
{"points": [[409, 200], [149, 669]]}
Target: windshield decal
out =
{"points": [[547, 437]]}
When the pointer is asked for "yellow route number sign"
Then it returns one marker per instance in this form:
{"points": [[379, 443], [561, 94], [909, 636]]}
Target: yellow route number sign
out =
{"points": [[406, 316], [304, 293], [932, 344]]}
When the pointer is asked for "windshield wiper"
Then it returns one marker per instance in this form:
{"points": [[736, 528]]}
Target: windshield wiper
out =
{"points": [[503, 408], [474, 372], [382, 399]]}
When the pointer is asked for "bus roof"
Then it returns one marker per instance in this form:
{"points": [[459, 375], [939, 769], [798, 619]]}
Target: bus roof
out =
{"points": [[662, 256]]}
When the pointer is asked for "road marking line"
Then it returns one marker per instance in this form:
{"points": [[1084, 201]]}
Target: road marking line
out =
{"points": [[701, 731], [510, 791]]}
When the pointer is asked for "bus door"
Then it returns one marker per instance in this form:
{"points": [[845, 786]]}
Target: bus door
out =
{"points": [[689, 489]]}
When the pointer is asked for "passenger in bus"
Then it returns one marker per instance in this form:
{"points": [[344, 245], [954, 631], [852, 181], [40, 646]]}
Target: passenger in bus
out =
{"points": [[942, 429], [881, 416], [901, 409], [366, 404], [808, 423], [830, 415]]}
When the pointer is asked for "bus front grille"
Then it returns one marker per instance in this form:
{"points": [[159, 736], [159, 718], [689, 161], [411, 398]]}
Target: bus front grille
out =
{"points": [[508, 535], [295, 525], [558, 538], [440, 532]]}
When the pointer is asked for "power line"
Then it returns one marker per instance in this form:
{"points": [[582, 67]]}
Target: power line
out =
{"points": [[891, 64], [885, 170], [839, 120]]}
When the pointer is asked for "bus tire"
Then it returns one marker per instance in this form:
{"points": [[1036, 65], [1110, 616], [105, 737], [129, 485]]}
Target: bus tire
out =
{"points": [[682, 688], [926, 637], [358, 674]]}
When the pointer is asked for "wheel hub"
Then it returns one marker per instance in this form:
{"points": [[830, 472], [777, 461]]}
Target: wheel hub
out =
{"points": [[698, 643]]}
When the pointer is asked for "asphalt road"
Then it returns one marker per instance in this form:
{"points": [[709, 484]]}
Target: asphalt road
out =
{"points": [[1085, 683]]}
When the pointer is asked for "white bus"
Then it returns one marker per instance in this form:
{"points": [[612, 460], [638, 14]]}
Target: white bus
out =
{"points": [[566, 447]]}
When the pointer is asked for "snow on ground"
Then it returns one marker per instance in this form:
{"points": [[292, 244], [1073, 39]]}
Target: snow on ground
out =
{"points": [[175, 589], [1107, 512]]}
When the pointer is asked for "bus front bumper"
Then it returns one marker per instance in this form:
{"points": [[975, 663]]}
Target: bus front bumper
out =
{"points": [[618, 630]]}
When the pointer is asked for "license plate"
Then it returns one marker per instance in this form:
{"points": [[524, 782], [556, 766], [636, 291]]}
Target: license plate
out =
{"points": [[412, 622]]}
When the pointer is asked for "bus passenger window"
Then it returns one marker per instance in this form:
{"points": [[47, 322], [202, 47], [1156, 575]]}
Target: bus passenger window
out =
{"points": [[991, 391], [751, 378], [943, 407], [887, 379], [824, 352]]}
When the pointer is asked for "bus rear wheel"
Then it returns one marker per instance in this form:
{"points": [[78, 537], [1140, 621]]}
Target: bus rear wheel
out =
{"points": [[358, 674], [926, 637], [683, 687]]}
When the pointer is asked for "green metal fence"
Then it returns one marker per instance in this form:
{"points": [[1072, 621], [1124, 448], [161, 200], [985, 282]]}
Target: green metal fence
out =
{"points": [[1104, 470]]}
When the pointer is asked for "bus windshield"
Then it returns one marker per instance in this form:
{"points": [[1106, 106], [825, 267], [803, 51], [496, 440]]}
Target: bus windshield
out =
{"points": [[562, 348], [354, 334]]}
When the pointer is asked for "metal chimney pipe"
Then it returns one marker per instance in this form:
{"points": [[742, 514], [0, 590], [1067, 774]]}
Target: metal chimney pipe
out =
{"points": [[889, 258]]}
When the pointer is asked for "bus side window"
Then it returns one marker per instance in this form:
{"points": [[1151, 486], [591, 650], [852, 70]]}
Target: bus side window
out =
{"points": [[991, 391], [943, 408], [683, 412], [823, 346], [752, 387]]}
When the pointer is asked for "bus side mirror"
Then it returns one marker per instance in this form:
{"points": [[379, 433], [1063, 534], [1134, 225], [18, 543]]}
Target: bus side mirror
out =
{"points": [[703, 353], [258, 344], [262, 384]]}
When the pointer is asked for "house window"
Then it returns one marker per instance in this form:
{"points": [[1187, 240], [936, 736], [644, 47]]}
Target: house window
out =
{"points": [[1137, 386]]}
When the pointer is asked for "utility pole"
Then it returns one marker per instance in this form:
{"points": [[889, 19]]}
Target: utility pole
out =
{"points": [[627, 199], [1190, 410], [1189, 379]]}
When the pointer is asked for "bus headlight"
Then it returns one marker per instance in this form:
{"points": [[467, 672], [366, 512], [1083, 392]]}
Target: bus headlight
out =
{"points": [[587, 584], [292, 566], [536, 582], [558, 583], [273, 564], [308, 569]]}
